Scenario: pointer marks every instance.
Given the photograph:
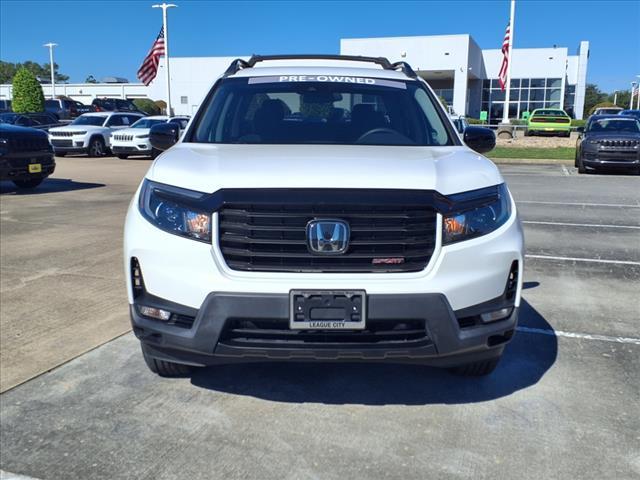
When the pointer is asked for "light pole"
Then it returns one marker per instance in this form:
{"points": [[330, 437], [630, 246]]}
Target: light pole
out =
{"points": [[638, 107], [633, 87], [164, 7], [53, 77]]}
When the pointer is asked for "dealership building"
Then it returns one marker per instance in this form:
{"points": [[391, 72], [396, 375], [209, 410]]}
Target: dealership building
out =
{"points": [[459, 71]]}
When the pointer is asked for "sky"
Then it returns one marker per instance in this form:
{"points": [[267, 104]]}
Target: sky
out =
{"points": [[111, 38]]}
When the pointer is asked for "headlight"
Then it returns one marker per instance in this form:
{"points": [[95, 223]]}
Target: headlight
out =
{"points": [[479, 220], [593, 142], [162, 206], [142, 136]]}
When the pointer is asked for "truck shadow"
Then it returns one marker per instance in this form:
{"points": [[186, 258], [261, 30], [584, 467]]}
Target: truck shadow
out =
{"points": [[526, 359], [49, 185]]}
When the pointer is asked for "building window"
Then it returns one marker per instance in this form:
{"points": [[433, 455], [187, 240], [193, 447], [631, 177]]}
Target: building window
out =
{"points": [[526, 95], [184, 100]]}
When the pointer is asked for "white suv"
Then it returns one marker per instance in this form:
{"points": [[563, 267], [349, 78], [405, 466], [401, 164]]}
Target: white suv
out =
{"points": [[322, 208], [135, 139], [90, 133]]}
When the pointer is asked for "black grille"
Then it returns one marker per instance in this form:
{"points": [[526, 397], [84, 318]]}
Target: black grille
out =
{"points": [[273, 238], [28, 144], [123, 137], [618, 143], [61, 143], [276, 334]]}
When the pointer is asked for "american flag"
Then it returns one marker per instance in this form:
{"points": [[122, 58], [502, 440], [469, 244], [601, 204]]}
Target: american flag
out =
{"points": [[149, 68], [502, 76], [635, 89]]}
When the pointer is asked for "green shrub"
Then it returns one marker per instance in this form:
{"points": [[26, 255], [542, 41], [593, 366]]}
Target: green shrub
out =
{"points": [[162, 105], [475, 121], [601, 105], [146, 105], [27, 93], [578, 123]]}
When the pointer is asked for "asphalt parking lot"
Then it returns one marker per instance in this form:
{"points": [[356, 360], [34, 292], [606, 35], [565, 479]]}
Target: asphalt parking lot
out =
{"points": [[79, 403]]}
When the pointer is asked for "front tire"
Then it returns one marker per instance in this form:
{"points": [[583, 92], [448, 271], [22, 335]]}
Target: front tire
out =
{"points": [[33, 183], [581, 168], [166, 369], [96, 147], [477, 369]]}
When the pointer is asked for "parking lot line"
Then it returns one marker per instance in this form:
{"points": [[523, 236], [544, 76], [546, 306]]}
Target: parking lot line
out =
{"points": [[592, 225], [617, 205], [577, 259], [583, 336]]}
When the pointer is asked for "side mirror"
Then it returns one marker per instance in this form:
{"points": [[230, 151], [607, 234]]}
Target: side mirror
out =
{"points": [[164, 136], [480, 139], [580, 129]]}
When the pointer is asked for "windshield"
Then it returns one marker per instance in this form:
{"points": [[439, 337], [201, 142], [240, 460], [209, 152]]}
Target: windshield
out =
{"points": [[608, 111], [8, 117], [96, 120], [615, 125], [147, 122], [321, 110]]}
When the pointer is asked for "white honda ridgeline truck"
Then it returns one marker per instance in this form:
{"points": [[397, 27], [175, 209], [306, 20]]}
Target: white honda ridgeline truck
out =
{"points": [[322, 208]]}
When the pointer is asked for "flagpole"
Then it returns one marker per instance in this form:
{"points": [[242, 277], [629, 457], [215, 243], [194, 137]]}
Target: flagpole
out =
{"points": [[633, 89], [164, 7], [505, 113]]}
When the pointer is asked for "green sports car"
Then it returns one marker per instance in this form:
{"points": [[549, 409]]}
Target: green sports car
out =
{"points": [[549, 121]]}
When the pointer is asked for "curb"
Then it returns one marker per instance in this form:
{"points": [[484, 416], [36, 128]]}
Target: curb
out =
{"points": [[532, 161]]}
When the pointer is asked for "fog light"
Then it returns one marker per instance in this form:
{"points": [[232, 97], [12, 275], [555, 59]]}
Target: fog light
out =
{"points": [[156, 313], [496, 315]]}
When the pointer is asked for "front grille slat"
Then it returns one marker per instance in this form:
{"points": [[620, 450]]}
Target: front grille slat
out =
{"points": [[272, 237], [276, 334]]}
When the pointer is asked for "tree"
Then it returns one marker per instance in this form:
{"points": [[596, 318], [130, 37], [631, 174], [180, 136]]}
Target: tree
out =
{"points": [[146, 105], [90, 79], [27, 93], [592, 96], [8, 71], [624, 97], [162, 105]]}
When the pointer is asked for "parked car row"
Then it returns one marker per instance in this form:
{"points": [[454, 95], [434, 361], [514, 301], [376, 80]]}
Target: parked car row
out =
{"points": [[97, 133]]}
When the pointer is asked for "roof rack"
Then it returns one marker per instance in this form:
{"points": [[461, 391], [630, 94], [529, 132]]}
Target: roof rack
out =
{"points": [[240, 64]]}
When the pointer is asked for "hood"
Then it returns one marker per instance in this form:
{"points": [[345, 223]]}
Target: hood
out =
{"points": [[11, 131], [208, 168], [133, 131], [613, 135], [76, 128]]}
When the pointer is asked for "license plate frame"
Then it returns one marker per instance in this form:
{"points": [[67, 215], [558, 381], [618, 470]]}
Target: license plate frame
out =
{"points": [[327, 309], [35, 168]]}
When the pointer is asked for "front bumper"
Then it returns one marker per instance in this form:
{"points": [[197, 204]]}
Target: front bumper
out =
{"points": [[610, 160], [17, 168], [217, 334], [134, 147]]}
